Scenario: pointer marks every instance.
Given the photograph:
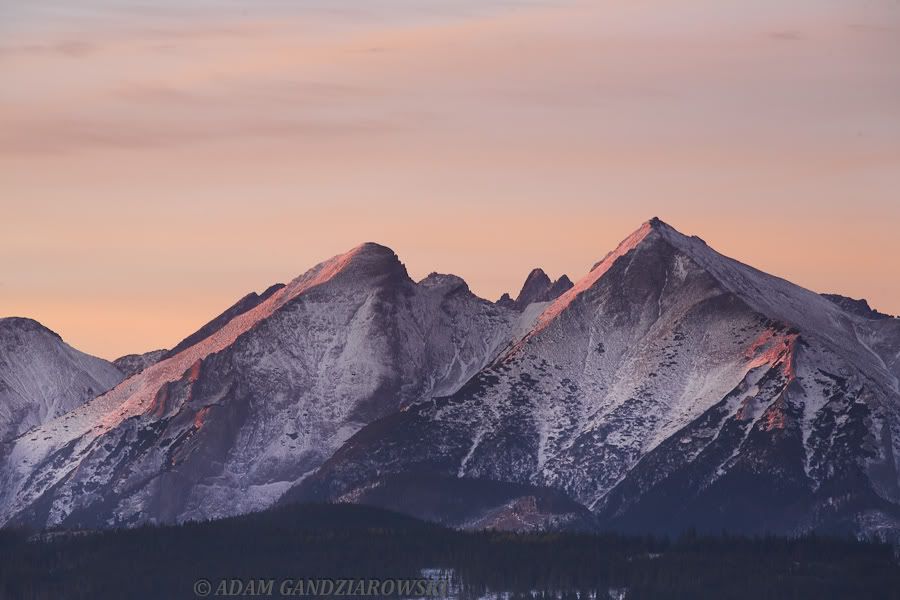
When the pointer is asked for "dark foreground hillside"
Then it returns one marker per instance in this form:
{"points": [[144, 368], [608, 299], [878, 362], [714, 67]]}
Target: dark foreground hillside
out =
{"points": [[355, 542]]}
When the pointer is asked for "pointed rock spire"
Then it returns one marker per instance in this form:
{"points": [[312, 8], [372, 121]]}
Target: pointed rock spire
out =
{"points": [[538, 287], [506, 301]]}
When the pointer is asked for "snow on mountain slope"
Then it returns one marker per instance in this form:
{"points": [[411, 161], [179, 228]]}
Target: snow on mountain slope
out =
{"points": [[228, 423], [670, 387], [42, 377]]}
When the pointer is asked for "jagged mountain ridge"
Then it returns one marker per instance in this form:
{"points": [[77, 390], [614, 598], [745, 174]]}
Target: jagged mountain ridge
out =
{"points": [[858, 307], [42, 377], [228, 423], [251, 300], [538, 287], [132, 364], [670, 387]]}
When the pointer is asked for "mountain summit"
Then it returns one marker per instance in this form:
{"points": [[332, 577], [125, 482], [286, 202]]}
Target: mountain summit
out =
{"points": [[257, 399], [42, 377], [669, 387]]}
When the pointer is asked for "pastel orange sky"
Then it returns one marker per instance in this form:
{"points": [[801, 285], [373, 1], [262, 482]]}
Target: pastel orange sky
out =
{"points": [[158, 163]]}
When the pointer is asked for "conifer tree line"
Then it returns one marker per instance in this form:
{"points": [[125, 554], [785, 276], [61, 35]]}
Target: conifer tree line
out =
{"points": [[345, 541]]}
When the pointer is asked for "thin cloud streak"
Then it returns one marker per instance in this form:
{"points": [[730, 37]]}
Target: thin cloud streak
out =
{"points": [[180, 163]]}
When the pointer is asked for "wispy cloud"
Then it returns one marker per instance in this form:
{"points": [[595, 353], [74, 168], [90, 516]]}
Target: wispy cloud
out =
{"points": [[785, 36], [66, 48], [66, 136]]}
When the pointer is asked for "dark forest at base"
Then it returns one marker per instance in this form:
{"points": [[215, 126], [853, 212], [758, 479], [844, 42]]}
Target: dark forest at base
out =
{"points": [[345, 541]]}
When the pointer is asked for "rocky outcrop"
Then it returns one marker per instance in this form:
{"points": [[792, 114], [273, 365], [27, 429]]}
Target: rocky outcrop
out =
{"points": [[537, 288], [131, 364]]}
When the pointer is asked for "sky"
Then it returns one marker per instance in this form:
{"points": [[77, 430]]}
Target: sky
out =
{"points": [[159, 160]]}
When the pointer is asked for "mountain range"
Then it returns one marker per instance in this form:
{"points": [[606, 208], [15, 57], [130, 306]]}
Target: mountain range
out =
{"points": [[670, 387]]}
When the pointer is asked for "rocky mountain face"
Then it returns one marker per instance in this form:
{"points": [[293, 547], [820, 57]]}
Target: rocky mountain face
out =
{"points": [[670, 387], [857, 307], [538, 287], [42, 377], [257, 401], [131, 364]]}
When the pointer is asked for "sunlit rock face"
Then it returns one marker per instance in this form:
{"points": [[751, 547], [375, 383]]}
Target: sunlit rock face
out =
{"points": [[225, 425], [671, 387]]}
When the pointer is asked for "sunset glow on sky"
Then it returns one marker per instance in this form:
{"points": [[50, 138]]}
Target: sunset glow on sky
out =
{"points": [[159, 160]]}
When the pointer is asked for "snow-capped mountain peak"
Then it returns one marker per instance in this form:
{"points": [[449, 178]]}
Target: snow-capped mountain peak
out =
{"points": [[627, 245], [257, 401], [671, 386], [42, 377]]}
